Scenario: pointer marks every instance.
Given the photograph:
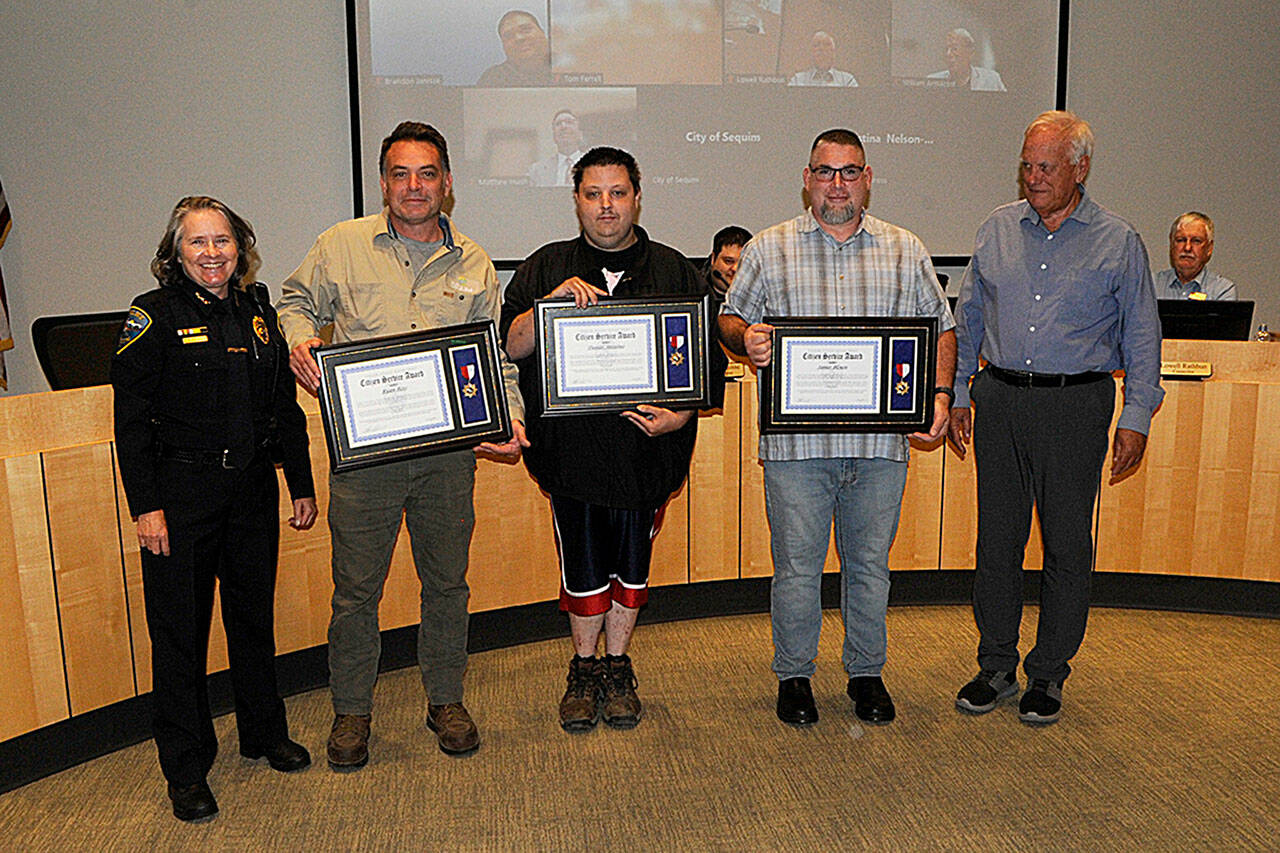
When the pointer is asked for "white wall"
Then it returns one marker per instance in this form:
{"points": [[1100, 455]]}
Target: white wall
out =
{"points": [[111, 110], [1184, 102]]}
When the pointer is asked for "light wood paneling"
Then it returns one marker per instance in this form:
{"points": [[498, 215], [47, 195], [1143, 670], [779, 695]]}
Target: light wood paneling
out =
{"points": [[670, 559], [134, 596], [33, 691], [714, 492], [513, 551], [84, 531], [31, 423], [960, 517], [1204, 501], [756, 560], [920, 521], [1233, 361]]}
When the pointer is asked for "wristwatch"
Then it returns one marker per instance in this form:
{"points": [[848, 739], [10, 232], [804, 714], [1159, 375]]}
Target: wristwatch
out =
{"points": [[946, 389]]}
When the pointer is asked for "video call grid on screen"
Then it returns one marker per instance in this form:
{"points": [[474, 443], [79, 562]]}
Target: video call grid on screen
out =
{"points": [[719, 100]]}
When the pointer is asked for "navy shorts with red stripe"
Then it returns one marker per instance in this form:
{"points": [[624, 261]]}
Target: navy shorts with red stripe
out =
{"points": [[604, 554]]}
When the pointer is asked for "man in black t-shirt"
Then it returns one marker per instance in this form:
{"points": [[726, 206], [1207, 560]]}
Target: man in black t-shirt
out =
{"points": [[608, 475]]}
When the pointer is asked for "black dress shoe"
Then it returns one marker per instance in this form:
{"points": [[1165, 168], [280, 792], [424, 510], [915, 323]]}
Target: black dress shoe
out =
{"points": [[194, 803], [284, 755], [871, 701], [795, 702]]}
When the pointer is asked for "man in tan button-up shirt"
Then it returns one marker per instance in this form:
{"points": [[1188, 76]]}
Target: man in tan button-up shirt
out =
{"points": [[401, 270]]}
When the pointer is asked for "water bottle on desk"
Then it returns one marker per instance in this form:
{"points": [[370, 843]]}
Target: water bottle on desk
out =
{"points": [[1263, 333]]}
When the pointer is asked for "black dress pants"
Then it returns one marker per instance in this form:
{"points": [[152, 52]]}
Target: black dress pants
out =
{"points": [[1044, 446], [223, 524]]}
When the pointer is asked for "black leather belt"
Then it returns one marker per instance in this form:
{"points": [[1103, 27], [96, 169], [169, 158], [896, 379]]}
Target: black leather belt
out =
{"points": [[211, 458], [1023, 379]]}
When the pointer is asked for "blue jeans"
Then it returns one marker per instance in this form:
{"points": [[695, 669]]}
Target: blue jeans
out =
{"points": [[802, 497]]}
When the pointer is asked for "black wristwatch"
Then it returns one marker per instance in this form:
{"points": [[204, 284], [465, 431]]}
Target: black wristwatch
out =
{"points": [[945, 389]]}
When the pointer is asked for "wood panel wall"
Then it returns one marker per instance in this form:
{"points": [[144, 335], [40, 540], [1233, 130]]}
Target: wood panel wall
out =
{"points": [[1206, 502]]}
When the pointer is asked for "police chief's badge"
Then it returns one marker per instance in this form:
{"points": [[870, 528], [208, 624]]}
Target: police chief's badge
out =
{"points": [[677, 342], [468, 372], [135, 324], [260, 329]]}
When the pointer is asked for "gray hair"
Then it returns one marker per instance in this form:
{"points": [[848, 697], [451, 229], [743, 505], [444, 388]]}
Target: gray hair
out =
{"points": [[961, 32], [1069, 125], [1192, 216]]}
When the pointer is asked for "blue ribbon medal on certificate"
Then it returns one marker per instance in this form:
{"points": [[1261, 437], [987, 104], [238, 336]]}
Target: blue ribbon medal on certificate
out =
{"points": [[466, 366], [676, 329], [902, 394]]}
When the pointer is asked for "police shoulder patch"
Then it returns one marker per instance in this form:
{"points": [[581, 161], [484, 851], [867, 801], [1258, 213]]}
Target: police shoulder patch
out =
{"points": [[134, 326]]}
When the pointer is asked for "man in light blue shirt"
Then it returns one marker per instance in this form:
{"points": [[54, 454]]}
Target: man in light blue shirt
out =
{"points": [[1057, 296], [1190, 248]]}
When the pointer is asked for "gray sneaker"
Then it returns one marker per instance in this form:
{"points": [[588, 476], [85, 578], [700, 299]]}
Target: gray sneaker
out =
{"points": [[988, 689], [1042, 702]]}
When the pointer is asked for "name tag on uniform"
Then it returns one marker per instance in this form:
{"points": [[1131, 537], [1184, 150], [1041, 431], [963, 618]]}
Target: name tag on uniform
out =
{"points": [[194, 335]]}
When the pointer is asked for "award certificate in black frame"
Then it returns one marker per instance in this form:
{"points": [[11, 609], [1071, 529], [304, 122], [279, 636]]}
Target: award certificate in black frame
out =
{"points": [[849, 374], [404, 396], [618, 353]]}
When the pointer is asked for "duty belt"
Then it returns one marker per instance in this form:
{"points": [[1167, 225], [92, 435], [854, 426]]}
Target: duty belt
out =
{"points": [[208, 458], [1024, 379]]}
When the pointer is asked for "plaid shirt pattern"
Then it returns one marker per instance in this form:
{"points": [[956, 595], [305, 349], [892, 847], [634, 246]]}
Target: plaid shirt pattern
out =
{"points": [[796, 269]]}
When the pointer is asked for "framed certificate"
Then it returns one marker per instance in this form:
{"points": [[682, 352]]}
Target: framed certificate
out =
{"points": [[849, 374], [402, 396], [619, 353]]}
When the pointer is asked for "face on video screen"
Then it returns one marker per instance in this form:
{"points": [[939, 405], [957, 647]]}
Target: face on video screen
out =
{"points": [[566, 132], [523, 41], [959, 55]]}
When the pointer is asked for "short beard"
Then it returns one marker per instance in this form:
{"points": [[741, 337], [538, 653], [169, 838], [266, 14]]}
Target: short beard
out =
{"points": [[837, 215]]}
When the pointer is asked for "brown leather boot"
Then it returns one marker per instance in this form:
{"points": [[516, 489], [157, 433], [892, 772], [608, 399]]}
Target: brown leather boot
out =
{"points": [[454, 728], [621, 704], [349, 741], [580, 705]]}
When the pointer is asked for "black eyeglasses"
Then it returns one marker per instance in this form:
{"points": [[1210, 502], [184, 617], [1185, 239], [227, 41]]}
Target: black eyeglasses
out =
{"points": [[827, 174]]}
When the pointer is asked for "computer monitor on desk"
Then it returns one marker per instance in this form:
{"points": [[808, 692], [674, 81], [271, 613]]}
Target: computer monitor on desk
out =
{"points": [[1206, 319]]}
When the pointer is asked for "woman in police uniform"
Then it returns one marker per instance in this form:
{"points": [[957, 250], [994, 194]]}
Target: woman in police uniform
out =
{"points": [[204, 407]]}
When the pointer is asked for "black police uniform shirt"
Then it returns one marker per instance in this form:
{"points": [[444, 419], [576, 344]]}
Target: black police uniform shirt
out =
{"points": [[201, 375]]}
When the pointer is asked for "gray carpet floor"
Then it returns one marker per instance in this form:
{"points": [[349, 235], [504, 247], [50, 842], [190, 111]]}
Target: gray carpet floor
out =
{"points": [[1169, 739]]}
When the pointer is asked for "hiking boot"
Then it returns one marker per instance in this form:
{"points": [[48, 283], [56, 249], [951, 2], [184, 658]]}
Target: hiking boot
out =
{"points": [[454, 728], [348, 747], [621, 705], [580, 705]]}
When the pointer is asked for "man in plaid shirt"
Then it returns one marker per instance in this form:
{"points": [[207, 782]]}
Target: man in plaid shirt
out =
{"points": [[834, 260]]}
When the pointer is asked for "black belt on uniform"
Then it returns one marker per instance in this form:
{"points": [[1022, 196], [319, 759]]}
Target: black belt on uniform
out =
{"points": [[213, 458], [210, 458], [1023, 379]]}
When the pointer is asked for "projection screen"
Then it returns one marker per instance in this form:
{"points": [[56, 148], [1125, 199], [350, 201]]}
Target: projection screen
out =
{"points": [[719, 100]]}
